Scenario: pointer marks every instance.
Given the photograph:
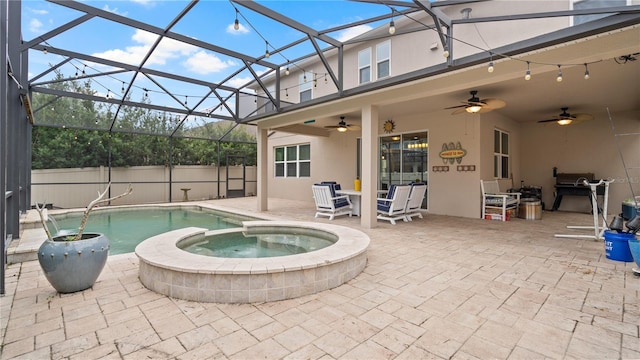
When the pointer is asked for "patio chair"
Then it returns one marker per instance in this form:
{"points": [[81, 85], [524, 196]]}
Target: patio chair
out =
{"points": [[418, 190], [493, 198], [328, 204], [393, 207]]}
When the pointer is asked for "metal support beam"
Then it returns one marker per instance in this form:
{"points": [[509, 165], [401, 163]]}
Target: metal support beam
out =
{"points": [[4, 81]]}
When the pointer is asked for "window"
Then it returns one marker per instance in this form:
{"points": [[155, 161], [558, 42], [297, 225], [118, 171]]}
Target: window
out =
{"points": [[594, 4], [383, 56], [500, 154], [305, 87], [364, 66], [293, 161]]}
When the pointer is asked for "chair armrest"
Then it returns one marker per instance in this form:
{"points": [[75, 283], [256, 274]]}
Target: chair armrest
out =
{"points": [[342, 197]]}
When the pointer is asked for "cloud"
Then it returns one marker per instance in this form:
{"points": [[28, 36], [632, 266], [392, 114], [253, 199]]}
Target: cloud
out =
{"points": [[241, 30], [114, 10], [206, 63], [237, 82], [166, 50], [353, 32], [35, 25], [39, 11], [146, 3]]}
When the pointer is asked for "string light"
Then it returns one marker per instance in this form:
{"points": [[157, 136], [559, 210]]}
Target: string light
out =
{"points": [[236, 23], [490, 68], [527, 74], [445, 53], [392, 25], [286, 71], [559, 77], [586, 72], [122, 90], [266, 53], [44, 51]]}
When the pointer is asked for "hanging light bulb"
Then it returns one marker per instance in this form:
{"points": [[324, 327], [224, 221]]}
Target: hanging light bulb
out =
{"points": [[445, 53], [83, 72], [325, 78], [286, 71], [286, 93], [108, 94], [586, 72], [304, 78], [527, 74], [559, 77], [122, 90], [76, 76], [44, 51], [266, 53], [392, 28], [236, 23], [490, 68]]}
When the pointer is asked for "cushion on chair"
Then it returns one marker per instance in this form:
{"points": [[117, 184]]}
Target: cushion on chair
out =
{"points": [[384, 205], [338, 203]]}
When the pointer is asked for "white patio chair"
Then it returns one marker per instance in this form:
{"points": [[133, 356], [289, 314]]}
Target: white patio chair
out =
{"points": [[493, 198], [393, 207], [328, 204], [415, 201]]}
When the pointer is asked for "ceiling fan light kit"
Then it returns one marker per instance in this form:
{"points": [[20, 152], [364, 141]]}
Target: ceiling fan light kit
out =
{"points": [[476, 105], [566, 118]]}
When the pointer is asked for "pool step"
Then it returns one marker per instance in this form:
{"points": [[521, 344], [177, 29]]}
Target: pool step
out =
{"points": [[26, 247]]}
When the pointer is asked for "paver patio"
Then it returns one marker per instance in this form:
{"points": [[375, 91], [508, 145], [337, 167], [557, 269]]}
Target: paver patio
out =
{"points": [[439, 287]]}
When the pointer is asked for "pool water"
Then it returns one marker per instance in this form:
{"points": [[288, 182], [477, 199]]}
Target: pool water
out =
{"points": [[269, 244], [127, 228]]}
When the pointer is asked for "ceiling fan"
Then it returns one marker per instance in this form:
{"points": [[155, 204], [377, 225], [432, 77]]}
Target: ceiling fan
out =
{"points": [[565, 118], [477, 105], [343, 126]]}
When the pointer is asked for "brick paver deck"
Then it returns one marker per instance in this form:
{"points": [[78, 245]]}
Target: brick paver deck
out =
{"points": [[436, 288]]}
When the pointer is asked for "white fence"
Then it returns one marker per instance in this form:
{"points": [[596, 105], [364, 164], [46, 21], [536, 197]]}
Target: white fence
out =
{"points": [[72, 188]]}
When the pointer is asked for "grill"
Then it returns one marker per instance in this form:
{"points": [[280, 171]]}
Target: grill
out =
{"points": [[572, 184]]}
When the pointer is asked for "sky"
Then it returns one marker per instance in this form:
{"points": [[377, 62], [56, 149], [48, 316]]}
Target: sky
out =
{"points": [[210, 20]]}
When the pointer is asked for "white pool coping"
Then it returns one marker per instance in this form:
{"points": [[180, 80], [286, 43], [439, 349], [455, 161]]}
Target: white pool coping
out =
{"points": [[171, 271]]}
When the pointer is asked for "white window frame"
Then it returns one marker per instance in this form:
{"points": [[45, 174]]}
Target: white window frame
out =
{"points": [[305, 86], [380, 60], [591, 17], [364, 55], [501, 156], [285, 162]]}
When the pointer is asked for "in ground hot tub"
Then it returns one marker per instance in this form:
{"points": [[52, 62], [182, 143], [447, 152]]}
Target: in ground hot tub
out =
{"points": [[167, 269]]}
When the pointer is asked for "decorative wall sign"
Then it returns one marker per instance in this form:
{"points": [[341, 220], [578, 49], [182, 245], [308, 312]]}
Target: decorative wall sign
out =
{"points": [[389, 126], [452, 153], [466, 168], [440, 168]]}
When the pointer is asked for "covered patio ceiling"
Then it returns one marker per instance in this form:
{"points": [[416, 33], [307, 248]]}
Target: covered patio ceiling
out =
{"points": [[212, 99]]}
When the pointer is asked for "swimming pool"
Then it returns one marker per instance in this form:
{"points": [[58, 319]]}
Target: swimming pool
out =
{"points": [[127, 227]]}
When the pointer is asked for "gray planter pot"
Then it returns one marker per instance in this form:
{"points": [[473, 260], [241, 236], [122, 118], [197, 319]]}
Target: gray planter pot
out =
{"points": [[72, 266]]}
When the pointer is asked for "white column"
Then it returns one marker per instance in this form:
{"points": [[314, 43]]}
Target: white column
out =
{"points": [[370, 165], [263, 179]]}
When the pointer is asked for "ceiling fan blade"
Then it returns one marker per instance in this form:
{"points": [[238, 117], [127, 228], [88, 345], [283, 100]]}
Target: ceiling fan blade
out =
{"points": [[458, 106], [548, 120], [353, 127], [582, 117], [494, 103], [460, 111]]}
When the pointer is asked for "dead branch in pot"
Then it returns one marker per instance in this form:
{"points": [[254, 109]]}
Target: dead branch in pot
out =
{"points": [[43, 220], [99, 200]]}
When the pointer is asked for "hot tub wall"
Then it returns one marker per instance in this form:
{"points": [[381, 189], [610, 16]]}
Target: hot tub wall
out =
{"points": [[237, 287]]}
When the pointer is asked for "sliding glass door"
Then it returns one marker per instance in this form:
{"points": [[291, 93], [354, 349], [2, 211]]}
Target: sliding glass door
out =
{"points": [[404, 159]]}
